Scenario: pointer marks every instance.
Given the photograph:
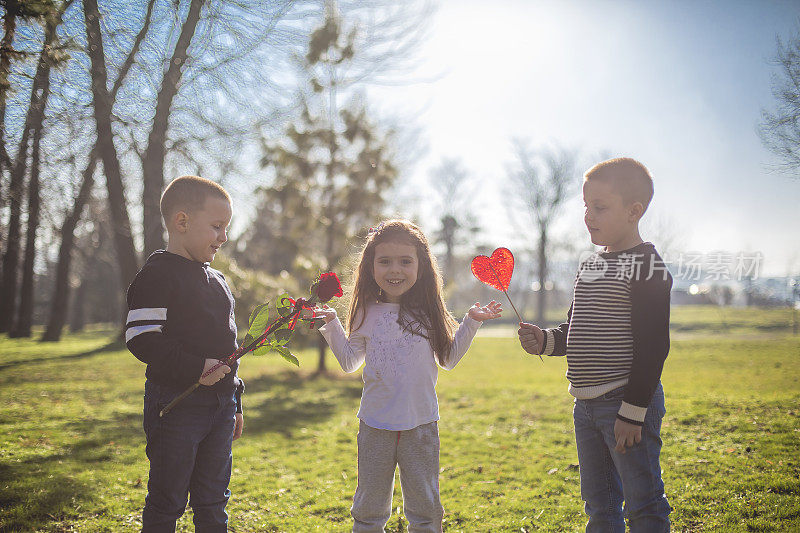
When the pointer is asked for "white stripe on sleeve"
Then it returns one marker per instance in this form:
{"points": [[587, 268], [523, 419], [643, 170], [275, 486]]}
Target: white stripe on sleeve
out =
{"points": [[133, 331], [147, 313]]}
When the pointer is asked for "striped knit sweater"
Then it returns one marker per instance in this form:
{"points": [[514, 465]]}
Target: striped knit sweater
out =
{"points": [[617, 329]]}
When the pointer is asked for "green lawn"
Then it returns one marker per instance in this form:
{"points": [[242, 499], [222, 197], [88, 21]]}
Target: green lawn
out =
{"points": [[72, 448]]}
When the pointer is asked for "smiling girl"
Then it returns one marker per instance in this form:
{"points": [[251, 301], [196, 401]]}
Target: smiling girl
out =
{"points": [[400, 326]]}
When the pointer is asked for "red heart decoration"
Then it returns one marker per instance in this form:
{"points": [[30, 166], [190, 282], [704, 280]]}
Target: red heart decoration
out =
{"points": [[496, 270]]}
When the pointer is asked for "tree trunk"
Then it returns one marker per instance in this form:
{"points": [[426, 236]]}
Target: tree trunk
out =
{"points": [[77, 318], [9, 28], [449, 228], [107, 152], [330, 215], [5, 159], [59, 306], [155, 153], [9, 288], [60, 303], [542, 307], [22, 327], [24, 320], [322, 348]]}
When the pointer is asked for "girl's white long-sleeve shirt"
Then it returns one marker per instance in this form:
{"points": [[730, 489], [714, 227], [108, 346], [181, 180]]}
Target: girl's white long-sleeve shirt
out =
{"points": [[400, 372]]}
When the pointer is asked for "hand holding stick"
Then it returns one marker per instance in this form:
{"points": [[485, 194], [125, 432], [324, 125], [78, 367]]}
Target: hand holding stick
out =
{"points": [[228, 361]]}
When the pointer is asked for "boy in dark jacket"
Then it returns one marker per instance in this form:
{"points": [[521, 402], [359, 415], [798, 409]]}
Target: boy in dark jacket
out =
{"points": [[180, 323]]}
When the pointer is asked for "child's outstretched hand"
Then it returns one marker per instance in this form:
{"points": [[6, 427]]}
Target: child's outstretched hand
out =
{"points": [[487, 312], [531, 337], [326, 313]]}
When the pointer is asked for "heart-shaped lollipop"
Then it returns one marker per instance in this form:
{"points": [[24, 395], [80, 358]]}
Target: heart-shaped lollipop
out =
{"points": [[495, 271]]}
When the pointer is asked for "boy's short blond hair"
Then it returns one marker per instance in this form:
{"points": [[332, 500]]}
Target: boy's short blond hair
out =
{"points": [[627, 176], [189, 193]]}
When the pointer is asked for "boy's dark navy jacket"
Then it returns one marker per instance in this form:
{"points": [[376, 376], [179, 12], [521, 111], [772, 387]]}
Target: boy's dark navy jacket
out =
{"points": [[180, 313]]}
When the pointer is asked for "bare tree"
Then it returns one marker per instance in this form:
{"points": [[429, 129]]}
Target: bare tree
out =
{"points": [[97, 290], [200, 130], [211, 69], [155, 153], [542, 181], [32, 131], [666, 231], [49, 58], [123, 237], [192, 100], [455, 191], [13, 10], [59, 304], [780, 128]]}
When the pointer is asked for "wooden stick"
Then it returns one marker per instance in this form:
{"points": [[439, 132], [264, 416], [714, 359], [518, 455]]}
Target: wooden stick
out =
{"points": [[505, 291], [509, 299], [183, 395]]}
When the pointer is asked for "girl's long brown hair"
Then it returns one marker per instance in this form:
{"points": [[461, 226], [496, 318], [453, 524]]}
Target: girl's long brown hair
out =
{"points": [[422, 307]]}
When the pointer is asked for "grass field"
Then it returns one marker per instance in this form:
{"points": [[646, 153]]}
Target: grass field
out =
{"points": [[72, 448]]}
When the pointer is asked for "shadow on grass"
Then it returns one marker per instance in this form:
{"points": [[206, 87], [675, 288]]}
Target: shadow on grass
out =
{"points": [[41, 488], [55, 502], [56, 479], [294, 400], [112, 346]]}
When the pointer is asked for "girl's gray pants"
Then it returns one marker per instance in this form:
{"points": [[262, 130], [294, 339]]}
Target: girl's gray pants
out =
{"points": [[416, 452]]}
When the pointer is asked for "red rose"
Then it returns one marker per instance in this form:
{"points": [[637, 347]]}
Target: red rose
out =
{"points": [[326, 287]]}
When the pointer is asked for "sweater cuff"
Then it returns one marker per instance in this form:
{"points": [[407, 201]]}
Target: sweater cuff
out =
{"points": [[327, 329], [549, 343], [472, 324], [633, 414], [238, 395]]}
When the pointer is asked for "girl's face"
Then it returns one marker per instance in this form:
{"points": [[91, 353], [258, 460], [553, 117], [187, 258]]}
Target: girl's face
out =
{"points": [[395, 269]]}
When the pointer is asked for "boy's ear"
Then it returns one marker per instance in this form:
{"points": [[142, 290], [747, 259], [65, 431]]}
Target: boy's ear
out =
{"points": [[181, 221], [636, 211]]}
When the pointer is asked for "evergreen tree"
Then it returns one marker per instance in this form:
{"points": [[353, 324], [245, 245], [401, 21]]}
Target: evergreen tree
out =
{"points": [[331, 171]]}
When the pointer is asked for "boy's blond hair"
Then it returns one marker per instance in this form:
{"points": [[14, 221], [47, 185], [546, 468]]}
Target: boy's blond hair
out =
{"points": [[627, 176], [189, 193]]}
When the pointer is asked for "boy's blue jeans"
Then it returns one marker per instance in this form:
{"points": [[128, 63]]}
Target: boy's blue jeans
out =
{"points": [[190, 453], [608, 478]]}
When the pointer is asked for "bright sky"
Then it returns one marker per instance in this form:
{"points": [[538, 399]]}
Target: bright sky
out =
{"points": [[679, 85]]}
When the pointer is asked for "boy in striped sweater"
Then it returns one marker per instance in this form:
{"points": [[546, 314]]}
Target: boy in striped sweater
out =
{"points": [[616, 339]]}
